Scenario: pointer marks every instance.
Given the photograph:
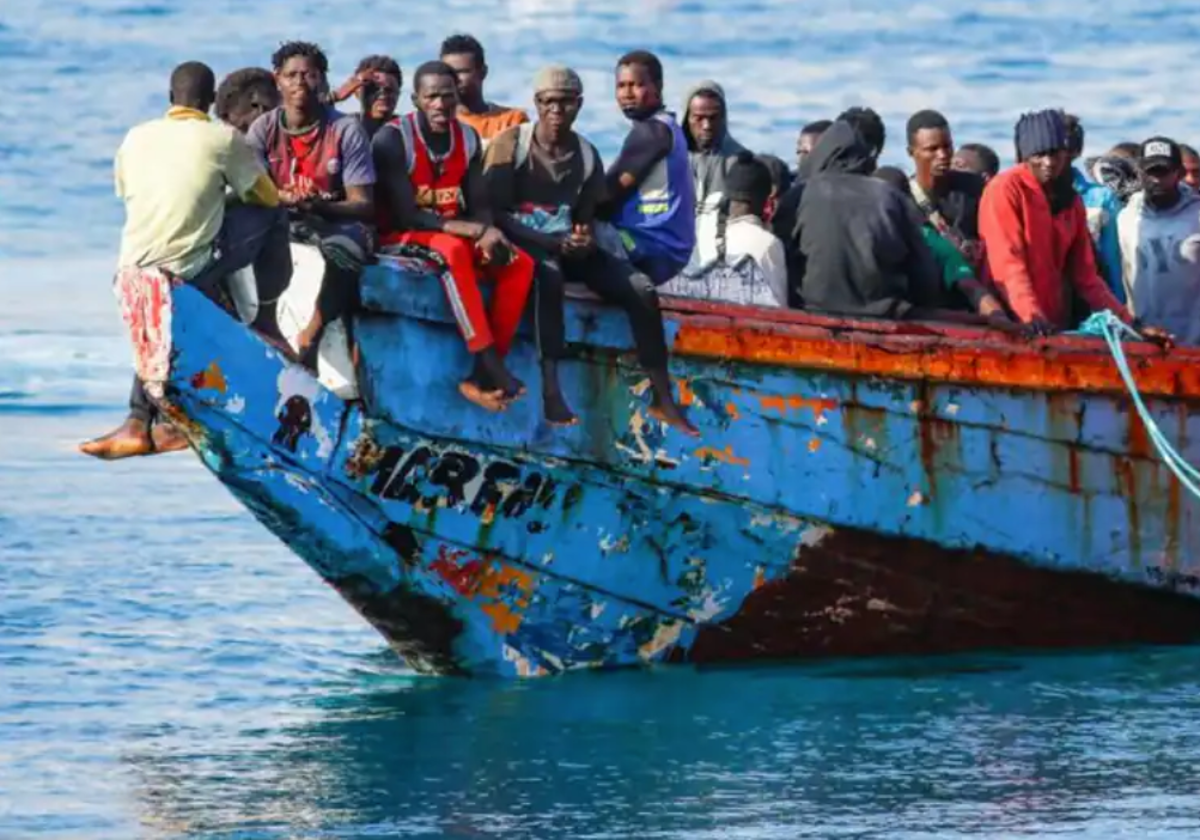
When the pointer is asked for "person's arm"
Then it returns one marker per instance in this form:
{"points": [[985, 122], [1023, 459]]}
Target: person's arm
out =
{"points": [[1081, 262], [649, 141], [1001, 228], [492, 241], [1110, 247], [500, 179], [358, 179], [593, 190], [118, 176], [774, 269], [920, 265], [256, 139], [246, 175]]}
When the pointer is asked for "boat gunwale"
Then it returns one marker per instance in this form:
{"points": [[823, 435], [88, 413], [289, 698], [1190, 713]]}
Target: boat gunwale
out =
{"points": [[929, 351]]}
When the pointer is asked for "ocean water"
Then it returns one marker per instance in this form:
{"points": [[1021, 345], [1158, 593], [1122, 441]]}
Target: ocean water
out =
{"points": [[168, 670]]}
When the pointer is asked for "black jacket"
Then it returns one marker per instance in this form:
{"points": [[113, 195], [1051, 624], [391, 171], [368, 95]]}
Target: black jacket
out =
{"points": [[856, 243]]}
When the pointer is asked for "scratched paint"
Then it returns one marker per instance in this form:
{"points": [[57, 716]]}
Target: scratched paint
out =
{"points": [[495, 544]]}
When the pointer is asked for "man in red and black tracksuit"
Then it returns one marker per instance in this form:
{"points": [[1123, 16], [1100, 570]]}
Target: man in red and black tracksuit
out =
{"points": [[431, 194]]}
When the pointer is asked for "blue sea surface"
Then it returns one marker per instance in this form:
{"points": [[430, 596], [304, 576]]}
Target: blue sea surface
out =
{"points": [[169, 670]]}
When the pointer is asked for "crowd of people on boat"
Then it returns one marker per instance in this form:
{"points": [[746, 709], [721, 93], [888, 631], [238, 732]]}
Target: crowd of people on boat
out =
{"points": [[488, 196]]}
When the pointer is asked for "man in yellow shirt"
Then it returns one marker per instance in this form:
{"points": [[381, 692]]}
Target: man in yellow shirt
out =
{"points": [[174, 175]]}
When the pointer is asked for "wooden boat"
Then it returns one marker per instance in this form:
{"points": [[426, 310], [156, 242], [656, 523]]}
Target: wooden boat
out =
{"points": [[859, 488]]}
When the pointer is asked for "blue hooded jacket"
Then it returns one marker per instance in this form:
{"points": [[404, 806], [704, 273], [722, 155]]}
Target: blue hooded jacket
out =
{"points": [[1102, 206]]}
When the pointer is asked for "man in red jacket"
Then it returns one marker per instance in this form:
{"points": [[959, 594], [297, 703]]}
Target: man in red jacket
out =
{"points": [[1035, 229]]}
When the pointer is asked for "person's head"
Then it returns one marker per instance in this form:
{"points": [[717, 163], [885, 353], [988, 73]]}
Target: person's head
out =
{"points": [[193, 86], [781, 176], [809, 135], [977, 158], [558, 96], [435, 94], [244, 95], [1074, 135], [300, 71], [1160, 161], [930, 145], [705, 123], [639, 83], [894, 176], [1119, 174], [1191, 166], [869, 126], [1042, 145], [781, 181], [380, 95], [464, 55], [748, 186], [1128, 150]]}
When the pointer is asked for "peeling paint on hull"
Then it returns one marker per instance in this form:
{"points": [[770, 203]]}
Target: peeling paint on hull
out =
{"points": [[851, 494]]}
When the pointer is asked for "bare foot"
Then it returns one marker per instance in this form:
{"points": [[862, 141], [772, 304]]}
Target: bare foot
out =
{"points": [[129, 439], [167, 438], [556, 410], [488, 400], [671, 414]]}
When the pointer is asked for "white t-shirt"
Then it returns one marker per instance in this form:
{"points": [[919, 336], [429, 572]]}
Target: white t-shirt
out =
{"points": [[754, 271]]}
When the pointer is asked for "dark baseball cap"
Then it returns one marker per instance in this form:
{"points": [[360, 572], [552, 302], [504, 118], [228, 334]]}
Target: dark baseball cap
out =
{"points": [[1160, 152]]}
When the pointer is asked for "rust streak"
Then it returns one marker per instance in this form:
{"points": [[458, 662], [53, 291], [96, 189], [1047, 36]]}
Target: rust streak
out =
{"points": [[1139, 440], [785, 404], [1126, 476], [686, 395], [725, 456], [1073, 482], [984, 359], [211, 379]]}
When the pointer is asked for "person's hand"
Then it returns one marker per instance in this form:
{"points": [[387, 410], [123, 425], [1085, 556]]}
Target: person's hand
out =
{"points": [[580, 243], [494, 247], [1040, 328], [291, 198], [1157, 335], [350, 87], [990, 307]]}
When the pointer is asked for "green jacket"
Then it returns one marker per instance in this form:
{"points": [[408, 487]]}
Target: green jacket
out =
{"points": [[953, 264]]}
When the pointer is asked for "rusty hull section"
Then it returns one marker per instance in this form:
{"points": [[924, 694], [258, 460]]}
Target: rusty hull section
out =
{"points": [[860, 594]]}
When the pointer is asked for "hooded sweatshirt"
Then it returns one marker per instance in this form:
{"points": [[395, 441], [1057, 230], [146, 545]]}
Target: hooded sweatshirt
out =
{"points": [[1037, 256], [708, 173], [1160, 250], [860, 245], [1102, 207]]}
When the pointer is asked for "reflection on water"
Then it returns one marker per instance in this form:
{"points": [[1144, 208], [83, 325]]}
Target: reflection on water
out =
{"points": [[966, 747]]}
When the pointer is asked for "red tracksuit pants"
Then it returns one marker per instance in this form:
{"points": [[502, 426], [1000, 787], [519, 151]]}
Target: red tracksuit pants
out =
{"points": [[480, 328]]}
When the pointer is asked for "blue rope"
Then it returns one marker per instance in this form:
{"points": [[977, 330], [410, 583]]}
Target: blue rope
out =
{"points": [[1112, 329]]}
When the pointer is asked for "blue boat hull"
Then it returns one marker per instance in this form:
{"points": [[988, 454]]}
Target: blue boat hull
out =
{"points": [[823, 512]]}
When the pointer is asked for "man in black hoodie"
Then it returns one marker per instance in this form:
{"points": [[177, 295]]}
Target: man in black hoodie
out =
{"points": [[858, 247]]}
